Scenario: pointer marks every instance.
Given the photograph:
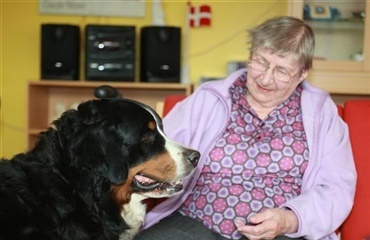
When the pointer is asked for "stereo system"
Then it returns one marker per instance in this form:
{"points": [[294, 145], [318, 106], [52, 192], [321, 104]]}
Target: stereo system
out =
{"points": [[60, 51], [110, 53]]}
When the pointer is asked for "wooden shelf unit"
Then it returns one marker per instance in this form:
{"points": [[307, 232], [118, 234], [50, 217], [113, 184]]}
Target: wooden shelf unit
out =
{"points": [[47, 98], [334, 68]]}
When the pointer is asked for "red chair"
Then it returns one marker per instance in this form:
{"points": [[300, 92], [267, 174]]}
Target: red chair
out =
{"points": [[170, 101], [340, 110], [357, 115]]}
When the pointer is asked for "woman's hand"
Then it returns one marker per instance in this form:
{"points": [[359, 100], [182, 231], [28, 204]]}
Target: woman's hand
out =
{"points": [[268, 224]]}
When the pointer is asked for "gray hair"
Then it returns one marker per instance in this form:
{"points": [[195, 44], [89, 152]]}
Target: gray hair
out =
{"points": [[284, 36]]}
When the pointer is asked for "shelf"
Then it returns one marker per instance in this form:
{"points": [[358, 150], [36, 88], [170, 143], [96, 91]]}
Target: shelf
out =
{"points": [[47, 99], [335, 69], [336, 25], [122, 85]]}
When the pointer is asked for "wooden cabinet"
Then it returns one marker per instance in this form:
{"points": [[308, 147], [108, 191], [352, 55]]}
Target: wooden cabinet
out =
{"points": [[342, 55], [48, 99]]}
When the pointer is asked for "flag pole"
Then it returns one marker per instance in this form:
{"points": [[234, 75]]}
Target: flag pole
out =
{"points": [[185, 78]]}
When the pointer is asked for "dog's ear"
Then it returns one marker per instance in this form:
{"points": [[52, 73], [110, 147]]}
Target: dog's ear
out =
{"points": [[116, 160], [105, 159], [95, 147]]}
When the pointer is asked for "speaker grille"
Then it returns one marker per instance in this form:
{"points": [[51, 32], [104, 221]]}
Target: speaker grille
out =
{"points": [[160, 54], [60, 51]]}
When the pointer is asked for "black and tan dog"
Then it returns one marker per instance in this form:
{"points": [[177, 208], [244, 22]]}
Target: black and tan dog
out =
{"points": [[87, 175]]}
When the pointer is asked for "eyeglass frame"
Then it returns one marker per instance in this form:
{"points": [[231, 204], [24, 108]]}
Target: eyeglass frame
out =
{"points": [[273, 71]]}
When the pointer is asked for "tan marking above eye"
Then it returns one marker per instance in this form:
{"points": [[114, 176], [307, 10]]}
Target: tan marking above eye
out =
{"points": [[152, 125]]}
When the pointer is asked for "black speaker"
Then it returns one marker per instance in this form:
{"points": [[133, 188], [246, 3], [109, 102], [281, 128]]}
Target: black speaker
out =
{"points": [[110, 53], [60, 51], [160, 54]]}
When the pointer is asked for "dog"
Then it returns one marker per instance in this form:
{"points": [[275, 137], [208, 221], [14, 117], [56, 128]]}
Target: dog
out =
{"points": [[89, 172]]}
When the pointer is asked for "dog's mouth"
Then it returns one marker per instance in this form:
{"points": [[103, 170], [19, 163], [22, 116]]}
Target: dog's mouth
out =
{"points": [[146, 183]]}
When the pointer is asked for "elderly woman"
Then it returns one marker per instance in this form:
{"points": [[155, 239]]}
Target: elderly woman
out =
{"points": [[276, 157]]}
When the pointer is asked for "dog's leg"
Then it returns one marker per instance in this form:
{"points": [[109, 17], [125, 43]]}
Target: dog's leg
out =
{"points": [[133, 213]]}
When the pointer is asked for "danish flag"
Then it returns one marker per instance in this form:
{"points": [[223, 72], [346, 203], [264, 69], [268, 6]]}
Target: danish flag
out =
{"points": [[199, 15]]}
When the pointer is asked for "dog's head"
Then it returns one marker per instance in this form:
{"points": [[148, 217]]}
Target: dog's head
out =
{"points": [[122, 141]]}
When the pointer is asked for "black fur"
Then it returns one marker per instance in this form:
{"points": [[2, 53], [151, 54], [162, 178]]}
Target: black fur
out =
{"points": [[61, 189]]}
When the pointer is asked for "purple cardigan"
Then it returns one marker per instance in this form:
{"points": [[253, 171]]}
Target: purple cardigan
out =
{"points": [[328, 185]]}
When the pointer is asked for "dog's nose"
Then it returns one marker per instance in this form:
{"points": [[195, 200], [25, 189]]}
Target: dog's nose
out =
{"points": [[193, 157]]}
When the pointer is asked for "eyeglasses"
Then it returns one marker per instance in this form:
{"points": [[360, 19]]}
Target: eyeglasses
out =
{"points": [[277, 73]]}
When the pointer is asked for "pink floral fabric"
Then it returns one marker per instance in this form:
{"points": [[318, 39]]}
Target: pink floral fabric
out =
{"points": [[256, 164]]}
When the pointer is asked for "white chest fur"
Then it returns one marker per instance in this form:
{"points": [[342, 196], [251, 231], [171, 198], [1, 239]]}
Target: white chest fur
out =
{"points": [[134, 214]]}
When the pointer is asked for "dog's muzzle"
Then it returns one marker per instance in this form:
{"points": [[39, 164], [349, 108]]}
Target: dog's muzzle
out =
{"points": [[147, 183]]}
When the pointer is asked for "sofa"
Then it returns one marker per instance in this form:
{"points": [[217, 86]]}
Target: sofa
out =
{"points": [[356, 113]]}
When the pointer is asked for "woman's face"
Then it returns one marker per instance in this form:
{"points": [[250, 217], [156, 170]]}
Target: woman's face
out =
{"points": [[264, 90]]}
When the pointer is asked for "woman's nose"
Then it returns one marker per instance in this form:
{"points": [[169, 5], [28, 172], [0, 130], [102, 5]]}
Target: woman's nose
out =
{"points": [[267, 77]]}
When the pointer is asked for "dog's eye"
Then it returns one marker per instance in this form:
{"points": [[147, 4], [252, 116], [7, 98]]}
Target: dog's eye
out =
{"points": [[148, 137]]}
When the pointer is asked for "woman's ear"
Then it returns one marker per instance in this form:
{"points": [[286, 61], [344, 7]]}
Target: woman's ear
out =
{"points": [[303, 76]]}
